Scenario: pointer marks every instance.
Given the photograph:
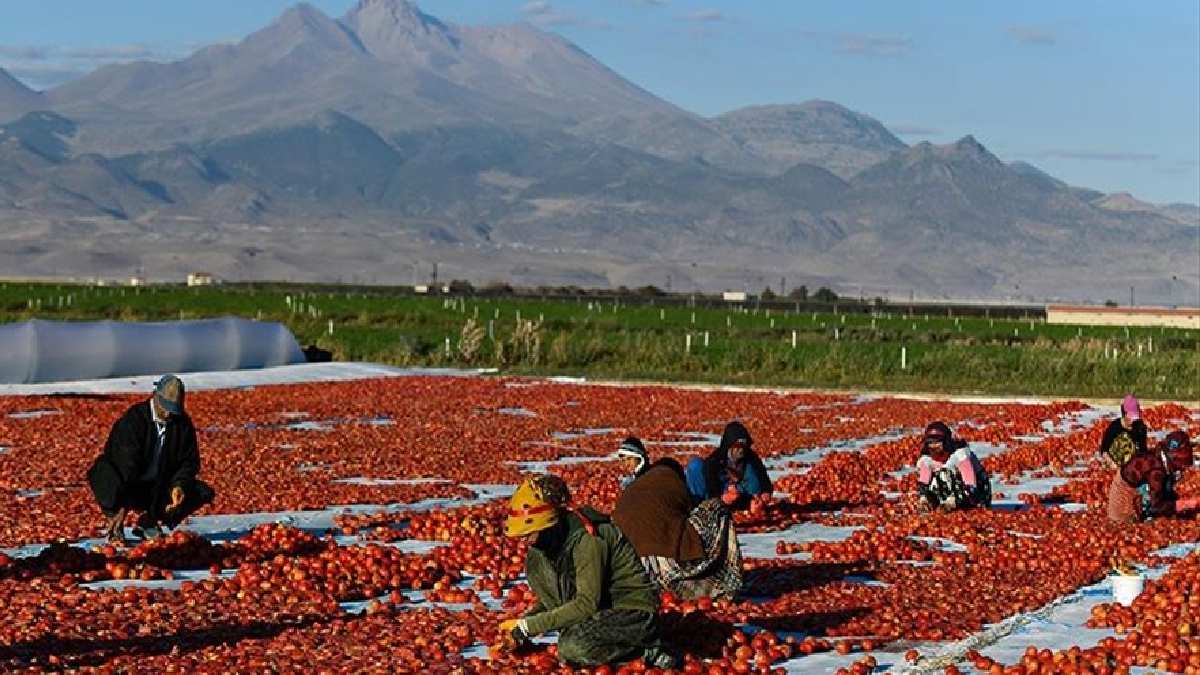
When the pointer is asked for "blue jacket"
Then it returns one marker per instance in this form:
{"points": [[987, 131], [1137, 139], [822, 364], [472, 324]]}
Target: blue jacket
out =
{"points": [[707, 477]]}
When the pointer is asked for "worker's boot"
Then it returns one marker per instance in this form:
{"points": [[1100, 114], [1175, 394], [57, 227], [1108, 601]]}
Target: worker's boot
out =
{"points": [[146, 528], [657, 657]]}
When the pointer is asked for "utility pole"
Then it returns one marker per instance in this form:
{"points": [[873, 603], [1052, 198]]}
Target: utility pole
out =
{"points": [[782, 287], [1131, 296]]}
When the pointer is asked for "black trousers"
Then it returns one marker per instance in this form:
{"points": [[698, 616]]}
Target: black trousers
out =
{"points": [[139, 496]]}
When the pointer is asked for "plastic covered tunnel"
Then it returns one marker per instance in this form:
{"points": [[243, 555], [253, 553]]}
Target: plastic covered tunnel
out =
{"points": [[54, 351]]}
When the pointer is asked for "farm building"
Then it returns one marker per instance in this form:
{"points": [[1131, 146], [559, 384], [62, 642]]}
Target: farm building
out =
{"points": [[1087, 315], [200, 279]]}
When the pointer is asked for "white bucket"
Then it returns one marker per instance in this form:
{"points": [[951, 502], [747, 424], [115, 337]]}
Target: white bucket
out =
{"points": [[1127, 588]]}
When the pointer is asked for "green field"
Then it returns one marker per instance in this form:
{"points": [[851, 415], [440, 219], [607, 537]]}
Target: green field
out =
{"points": [[605, 339]]}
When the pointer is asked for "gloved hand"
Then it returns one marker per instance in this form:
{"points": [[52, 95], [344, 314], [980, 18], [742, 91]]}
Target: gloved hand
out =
{"points": [[513, 635], [949, 504], [1187, 504], [176, 498], [730, 495]]}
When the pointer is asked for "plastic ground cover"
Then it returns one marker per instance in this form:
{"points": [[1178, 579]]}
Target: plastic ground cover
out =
{"points": [[427, 486]]}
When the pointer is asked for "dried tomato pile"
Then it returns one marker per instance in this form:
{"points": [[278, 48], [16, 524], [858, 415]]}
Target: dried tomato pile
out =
{"points": [[272, 599]]}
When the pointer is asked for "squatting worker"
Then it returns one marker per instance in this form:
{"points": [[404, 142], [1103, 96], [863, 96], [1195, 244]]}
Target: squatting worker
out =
{"points": [[589, 583], [691, 551], [949, 475], [1146, 484], [733, 469], [149, 465], [1125, 436]]}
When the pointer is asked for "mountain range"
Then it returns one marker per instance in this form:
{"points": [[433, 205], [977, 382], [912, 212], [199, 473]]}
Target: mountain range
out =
{"points": [[367, 147]]}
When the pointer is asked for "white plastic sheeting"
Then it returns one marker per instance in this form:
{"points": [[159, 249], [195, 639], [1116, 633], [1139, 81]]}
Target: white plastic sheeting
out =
{"points": [[51, 351]]}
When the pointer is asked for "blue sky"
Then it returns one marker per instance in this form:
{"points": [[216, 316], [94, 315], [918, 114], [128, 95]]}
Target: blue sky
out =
{"points": [[1101, 94]]}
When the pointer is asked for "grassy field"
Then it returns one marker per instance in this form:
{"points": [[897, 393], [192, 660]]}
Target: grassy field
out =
{"points": [[735, 345]]}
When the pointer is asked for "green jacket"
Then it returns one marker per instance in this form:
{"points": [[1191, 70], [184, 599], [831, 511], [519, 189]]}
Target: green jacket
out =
{"points": [[575, 574]]}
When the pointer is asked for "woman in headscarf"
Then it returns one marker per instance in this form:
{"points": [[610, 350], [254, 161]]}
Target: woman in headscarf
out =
{"points": [[949, 475], [589, 582], [691, 552], [1147, 482], [733, 472], [1126, 435]]}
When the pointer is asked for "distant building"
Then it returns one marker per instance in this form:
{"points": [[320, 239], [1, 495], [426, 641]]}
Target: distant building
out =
{"points": [[137, 281], [420, 289], [1088, 315], [734, 296], [200, 279]]}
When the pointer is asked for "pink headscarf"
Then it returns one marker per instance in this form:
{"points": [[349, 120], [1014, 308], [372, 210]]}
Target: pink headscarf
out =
{"points": [[1131, 408]]}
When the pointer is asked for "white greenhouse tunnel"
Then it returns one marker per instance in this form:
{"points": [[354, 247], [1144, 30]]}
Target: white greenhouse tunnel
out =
{"points": [[52, 351]]}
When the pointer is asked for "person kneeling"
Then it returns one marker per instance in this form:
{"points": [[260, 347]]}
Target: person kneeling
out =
{"points": [[1145, 485], [589, 583], [733, 472], [149, 464], [691, 552], [949, 475]]}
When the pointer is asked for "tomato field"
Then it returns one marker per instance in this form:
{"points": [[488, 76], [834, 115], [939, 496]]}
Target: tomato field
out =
{"points": [[357, 528]]}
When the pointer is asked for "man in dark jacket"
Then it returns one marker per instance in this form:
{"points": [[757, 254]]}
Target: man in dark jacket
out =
{"points": [[149, 464]]}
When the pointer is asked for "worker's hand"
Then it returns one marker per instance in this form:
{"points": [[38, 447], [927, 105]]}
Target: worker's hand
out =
{"points": [[949, 504], [730, 495], [176, 498], [512, 636]]}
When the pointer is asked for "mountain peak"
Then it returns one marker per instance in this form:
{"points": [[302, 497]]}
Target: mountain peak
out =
{"points": [[16, 99], [301, 24], [397, 28], [303, 15], [965, 149], [398, 11]]}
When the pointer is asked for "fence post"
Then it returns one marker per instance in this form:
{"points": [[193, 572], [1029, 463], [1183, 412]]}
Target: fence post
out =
{"points": [[793, 339], [706, 338], [687, 343], [904, 358]]}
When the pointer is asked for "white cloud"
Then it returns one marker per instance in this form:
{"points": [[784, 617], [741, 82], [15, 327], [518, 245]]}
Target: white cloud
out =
{"points": [[545, 14], [1031, 35], [706, 16], [44, 66], [872, 45]]}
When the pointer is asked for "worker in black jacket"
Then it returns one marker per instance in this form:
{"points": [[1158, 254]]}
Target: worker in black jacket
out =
{"points": [[149, 464]]}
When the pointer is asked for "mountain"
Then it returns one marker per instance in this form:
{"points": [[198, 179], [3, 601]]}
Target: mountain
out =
{"points": [[16, 99], [385, 63], [815, 132], [366, 146], [1030, 171]]}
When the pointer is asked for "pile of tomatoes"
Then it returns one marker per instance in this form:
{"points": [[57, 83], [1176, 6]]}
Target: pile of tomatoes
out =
{"points": [[274, 598]]}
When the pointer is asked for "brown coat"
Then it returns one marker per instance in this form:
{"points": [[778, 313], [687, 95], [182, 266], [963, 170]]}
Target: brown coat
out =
{"points": [[653, 513]]}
